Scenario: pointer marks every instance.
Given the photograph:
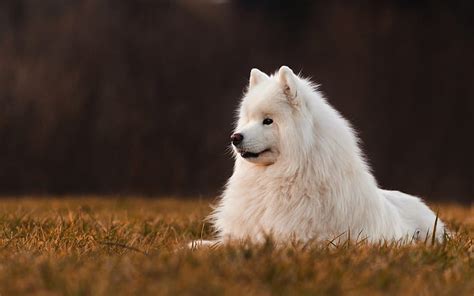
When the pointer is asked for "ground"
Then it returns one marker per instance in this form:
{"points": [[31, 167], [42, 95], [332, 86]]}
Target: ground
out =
{"points": [[136, 246]]}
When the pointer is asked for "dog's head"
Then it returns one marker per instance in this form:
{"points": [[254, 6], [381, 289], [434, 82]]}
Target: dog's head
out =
{"points": [[265, 116]]}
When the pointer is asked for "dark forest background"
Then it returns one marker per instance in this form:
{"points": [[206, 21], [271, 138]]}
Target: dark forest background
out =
{"points": [[138, 97]]}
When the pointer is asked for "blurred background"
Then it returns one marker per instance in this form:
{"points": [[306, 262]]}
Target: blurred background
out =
{"points": [[138, 97]]}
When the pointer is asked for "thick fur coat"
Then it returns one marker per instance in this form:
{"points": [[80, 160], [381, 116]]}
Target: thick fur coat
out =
{"points": [[300, 175]]}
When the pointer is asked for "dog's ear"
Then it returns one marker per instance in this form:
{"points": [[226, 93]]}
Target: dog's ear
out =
{"points": [[256, 76], [288, 81]]}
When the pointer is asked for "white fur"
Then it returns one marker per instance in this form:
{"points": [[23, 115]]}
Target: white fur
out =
{"points": [[314, 182]]}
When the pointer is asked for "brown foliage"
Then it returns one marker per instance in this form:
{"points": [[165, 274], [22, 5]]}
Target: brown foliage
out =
{"points": [[100, 245]]}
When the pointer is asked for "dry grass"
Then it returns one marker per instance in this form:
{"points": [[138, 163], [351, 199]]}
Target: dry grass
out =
{"points": [[92, 246]]}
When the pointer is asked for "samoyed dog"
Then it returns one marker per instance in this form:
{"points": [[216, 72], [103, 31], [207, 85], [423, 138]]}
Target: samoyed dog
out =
{"points": [[300, 175]]}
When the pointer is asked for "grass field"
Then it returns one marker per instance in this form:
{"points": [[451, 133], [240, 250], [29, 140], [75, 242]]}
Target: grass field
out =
{"points": [[134, 246]]}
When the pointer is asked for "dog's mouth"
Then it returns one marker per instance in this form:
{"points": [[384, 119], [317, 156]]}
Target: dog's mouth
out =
{"points": [[247, 154]]}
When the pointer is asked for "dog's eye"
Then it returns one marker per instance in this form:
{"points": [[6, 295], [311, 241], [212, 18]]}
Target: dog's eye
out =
{"points": [[267, 121]]}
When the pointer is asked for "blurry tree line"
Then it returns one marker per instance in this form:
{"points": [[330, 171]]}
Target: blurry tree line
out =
{"points": [[115, 96]]}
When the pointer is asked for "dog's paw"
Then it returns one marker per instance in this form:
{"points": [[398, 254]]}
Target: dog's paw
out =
{"points": [[196, 244]]}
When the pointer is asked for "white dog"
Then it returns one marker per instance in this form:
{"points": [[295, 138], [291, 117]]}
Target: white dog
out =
{"points": [[300, 174]]}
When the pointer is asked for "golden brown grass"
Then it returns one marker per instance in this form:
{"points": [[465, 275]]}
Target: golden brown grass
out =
{"points": [[124, 246]]}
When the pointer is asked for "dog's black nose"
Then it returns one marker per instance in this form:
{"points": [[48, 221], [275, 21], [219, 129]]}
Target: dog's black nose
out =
{"points": [[236, 138]]}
